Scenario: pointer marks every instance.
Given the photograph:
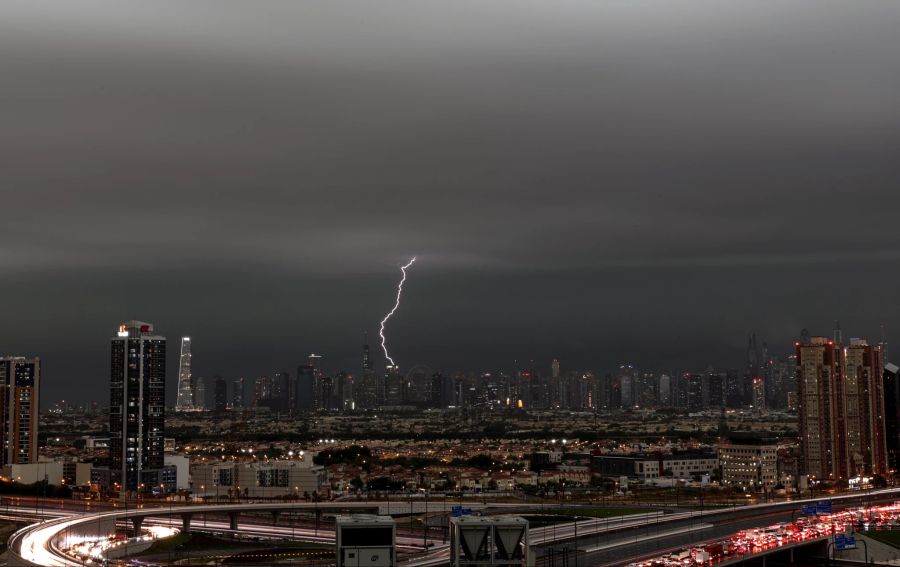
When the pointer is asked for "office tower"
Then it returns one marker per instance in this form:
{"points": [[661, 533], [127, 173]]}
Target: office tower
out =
{"points": [[393, 386], [137, 403], [714, 389], [418, 384], [278, 399], [665, 391], [20, 386], [588, 390], [306, 388], [262, 391], [326, 392], [759, 394], [556, 395], [626, 385], [523, 389], [186, 391], [646, 390], [366, 360], [345, 392], [199, 392], [237, 393], [691, 392], [221, 395], [754, 368], [864, 399], [734, 389], [892, 415]]}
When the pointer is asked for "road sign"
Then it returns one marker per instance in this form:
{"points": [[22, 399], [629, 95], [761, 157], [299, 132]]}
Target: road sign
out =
{"points": [[458, 511], [840, 541], [808, 510], [823, 507]]}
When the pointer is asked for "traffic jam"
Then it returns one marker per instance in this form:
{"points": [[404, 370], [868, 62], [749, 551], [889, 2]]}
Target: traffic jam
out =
{"points": [[805, 528]]}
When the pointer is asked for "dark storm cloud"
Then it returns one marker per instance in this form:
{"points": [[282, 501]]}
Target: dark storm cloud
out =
{"points": [[595, 180]]}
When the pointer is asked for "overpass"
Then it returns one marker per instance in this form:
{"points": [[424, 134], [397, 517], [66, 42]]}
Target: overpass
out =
{"points": [[41, 544]]}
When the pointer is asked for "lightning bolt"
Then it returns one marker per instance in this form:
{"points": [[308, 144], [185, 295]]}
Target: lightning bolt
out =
{"points": [[396, 305]]}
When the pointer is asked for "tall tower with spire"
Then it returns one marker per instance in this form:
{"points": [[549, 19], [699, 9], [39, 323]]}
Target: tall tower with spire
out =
{"points": [[185, 400]]}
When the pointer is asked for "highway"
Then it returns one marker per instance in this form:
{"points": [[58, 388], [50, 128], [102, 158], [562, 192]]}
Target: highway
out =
{"points": [[612, 541]]}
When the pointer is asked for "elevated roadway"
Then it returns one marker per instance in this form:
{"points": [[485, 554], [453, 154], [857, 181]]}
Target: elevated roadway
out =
{"points": [[613, 541]]}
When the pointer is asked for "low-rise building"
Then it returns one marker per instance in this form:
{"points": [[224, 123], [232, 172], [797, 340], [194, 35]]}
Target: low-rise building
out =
{"points": [[749, 462], [642, 466], [271, 479]]}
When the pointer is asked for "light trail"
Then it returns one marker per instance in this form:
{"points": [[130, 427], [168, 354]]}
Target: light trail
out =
{"points": [[396, 305]]}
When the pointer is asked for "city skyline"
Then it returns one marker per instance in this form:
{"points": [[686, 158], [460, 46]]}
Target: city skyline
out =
{"points": [[200, 381], [605, 188]]}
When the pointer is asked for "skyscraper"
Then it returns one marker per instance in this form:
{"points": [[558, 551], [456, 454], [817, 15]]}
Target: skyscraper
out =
{"points": [[137, 403], [864, 398], [820, 367], [892, 415], [221, 395], [665, 391], [237, 393], [20, 380], [186, 390], [759, 394], [306, 388], [842, 408], [366, 360], [393, 386]]}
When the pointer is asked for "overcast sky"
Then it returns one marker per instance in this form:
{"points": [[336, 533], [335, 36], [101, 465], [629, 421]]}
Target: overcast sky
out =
{"points": [[603, 181]]}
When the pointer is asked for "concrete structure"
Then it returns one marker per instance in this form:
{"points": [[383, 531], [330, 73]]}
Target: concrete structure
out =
{"points": [[30, 473], [688, 464], [644, 466], [272, 479], [364, 539], [182, 470], [482, 541], [749, 462], [137, 409], [20, 387]]}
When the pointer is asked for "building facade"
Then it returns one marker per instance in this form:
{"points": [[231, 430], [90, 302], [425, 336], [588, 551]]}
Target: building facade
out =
{"points": [[841, 409], [186, 394], [749, 463], [271, 479], [137, 404], [20, 385]]}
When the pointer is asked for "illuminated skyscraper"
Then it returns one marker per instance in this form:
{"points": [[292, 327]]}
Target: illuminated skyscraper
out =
{"points": [[237, 393], [665, 391], [393, 386], [186, 392], [367, 360], [864, 398], [842, 408], [759, 394], [137, 409], [820, 368], [20, 380]]}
